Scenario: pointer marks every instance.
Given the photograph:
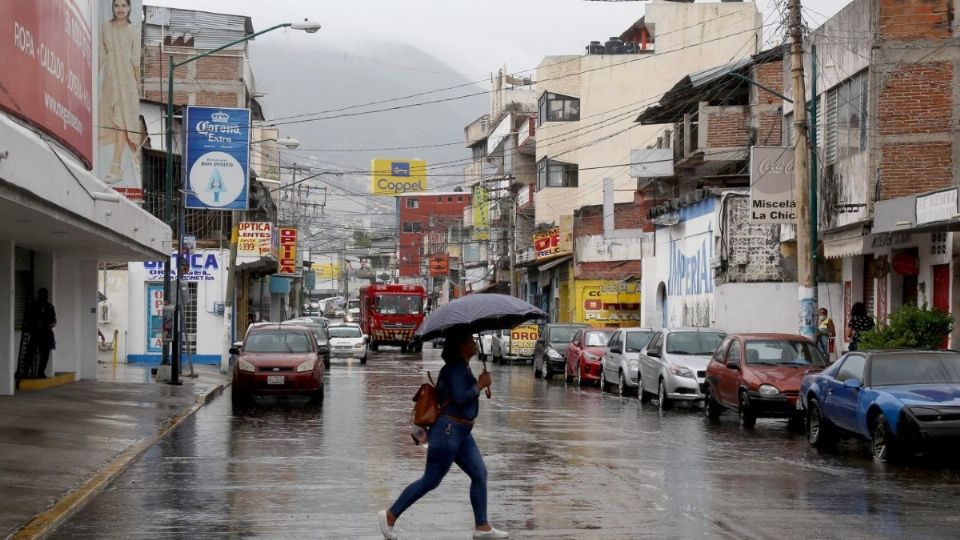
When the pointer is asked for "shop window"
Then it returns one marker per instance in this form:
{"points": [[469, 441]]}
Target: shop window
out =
{"points": [[558, 108], [845, 112], [412, 227], [556, 174], [190, 319], [412, 202], [22, 284]]}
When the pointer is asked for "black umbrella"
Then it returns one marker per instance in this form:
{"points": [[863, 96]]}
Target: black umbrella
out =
{"points": [[476, 313]]}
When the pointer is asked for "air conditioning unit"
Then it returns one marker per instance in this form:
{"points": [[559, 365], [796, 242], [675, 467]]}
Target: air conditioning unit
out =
{"points": [[103, 313]]}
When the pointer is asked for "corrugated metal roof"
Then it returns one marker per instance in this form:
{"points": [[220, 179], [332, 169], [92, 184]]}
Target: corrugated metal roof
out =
{"points": [[206, 30]]}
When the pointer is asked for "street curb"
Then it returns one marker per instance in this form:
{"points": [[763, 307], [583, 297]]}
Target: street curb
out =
{"points": [[45, 523]]}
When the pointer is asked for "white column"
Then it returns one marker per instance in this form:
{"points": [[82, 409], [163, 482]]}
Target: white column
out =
{"points": [[8, 345], [87, 351], [65, 299]]}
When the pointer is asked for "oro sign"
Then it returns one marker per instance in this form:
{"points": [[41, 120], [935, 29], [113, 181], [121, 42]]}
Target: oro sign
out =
{"points": [[287, 261], [391, 177]]}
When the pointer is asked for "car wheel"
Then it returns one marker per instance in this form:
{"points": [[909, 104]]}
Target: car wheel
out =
{"points": [[580, 381], [748, 417], [883, 442], [622, 389], [711, 407], [326, 362], [316, 398], [819, 432], [547, 374], [536, 372], [665, 402], [645, 396], [604, 387], [364, 359]]}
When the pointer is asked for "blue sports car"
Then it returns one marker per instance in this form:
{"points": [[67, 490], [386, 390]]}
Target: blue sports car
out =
{"points": [[898, 400]]}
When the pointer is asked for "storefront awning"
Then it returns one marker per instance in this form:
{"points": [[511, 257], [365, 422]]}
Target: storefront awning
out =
{"points": [[848, 242], [934, 211], [554, 263]]}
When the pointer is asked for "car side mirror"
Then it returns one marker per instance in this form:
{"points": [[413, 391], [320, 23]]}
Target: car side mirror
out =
{"points": [[733, 365], [653, 354], [852, 382], [234, 350], [616, 350]]}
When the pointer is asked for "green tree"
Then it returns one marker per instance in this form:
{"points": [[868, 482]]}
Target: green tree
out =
{"points": [[361, 240], [910, 327]]}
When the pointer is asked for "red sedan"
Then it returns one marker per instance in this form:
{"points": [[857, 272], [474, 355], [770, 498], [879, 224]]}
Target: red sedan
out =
{"points": [[585, 352], [277, 359], [758, 375]]}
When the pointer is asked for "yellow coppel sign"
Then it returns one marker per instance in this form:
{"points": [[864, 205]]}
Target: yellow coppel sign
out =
{"points": [[390, 177], [607, 302]]}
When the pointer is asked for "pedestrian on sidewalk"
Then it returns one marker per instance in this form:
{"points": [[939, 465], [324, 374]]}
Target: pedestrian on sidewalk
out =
{"points": [[826, 331], [450, 440], [859, 323], [40, 322]]}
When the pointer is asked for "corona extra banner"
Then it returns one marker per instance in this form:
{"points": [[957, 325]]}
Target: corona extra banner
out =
{"points": [[391, 177], [607, 303]]}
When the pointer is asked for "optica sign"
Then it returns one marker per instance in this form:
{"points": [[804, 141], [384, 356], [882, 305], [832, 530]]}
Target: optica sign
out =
{"points": [[287, 260], [390, 177]]}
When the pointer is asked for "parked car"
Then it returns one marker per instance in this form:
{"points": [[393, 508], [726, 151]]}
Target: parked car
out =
{"points": [[900, 401], [673, 365], [516, 344], [758, 375], [347, 341], [278, 359], [551, 347], [621, 359], [584, 354], [484, 344], [319, 332]]}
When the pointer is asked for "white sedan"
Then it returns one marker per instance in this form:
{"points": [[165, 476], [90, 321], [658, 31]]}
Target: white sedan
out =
{"points": [[347, 341]]}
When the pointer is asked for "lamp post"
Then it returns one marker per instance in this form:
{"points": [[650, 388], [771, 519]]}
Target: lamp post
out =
{"points": [[168, 309]]}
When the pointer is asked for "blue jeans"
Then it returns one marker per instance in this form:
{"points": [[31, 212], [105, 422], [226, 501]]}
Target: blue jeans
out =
{"points": [[449, 443]]}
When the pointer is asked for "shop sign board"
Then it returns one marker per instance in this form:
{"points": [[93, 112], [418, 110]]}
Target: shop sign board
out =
{"points": [[523, 338], [772, 197], [391, 177], [202, 266], [154, 304], [938, 206], [46, 68], [481, 213], [439, 266], [217, 160], [607, 302], [287, 259], [546, 243], [255, 239]]}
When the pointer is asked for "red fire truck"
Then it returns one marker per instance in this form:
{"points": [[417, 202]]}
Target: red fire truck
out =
{"points": [[390, 314]]}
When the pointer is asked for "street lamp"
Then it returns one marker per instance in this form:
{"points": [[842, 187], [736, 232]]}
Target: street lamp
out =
{"points": [[168, 310]]}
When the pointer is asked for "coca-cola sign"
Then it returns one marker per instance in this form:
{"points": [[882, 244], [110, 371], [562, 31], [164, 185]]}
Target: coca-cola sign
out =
{"points": [[772, 197]]}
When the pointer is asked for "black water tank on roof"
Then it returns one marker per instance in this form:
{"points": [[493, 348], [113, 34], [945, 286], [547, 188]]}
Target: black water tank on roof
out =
{"points": [[614, 46], [631, 47], [595, 47]]}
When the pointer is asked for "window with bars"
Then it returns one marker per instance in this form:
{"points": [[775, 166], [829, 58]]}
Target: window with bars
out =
{"points": [[845, 118], [190, 320]]}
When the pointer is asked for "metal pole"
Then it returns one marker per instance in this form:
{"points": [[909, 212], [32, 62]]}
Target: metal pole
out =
{"points": [[814, 168], [168, 214], [513, 245], [805, 270]]}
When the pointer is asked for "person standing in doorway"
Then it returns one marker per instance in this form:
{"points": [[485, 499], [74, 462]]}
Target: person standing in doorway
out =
{"points": [[826, 331], [40, 322], [450, 440], [859, 323]]}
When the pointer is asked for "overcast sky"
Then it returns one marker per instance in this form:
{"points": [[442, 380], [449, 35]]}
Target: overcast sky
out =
{"points": [[473, 36]]}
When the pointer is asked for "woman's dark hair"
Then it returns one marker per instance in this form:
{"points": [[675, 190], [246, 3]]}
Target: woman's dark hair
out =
{"points": [[451, 348], [114, 15], [858, 310]]}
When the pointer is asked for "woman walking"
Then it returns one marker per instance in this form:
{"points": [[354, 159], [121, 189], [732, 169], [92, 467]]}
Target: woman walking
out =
{"points": [[450, 440], [859, 323]]}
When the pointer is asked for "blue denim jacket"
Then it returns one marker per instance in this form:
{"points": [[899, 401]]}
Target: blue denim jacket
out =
{"points": [[456, 384]]}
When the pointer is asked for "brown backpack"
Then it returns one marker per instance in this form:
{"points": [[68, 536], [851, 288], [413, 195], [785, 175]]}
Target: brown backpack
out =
{"points": [[425, 408]]}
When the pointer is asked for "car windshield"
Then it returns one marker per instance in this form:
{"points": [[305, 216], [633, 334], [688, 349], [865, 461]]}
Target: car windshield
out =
{"points": [[597, 339], [398, 304], [344, 332], [693, 343], [936, 368], [636, 341], [783, 352], [277, 342], [563, 334]]}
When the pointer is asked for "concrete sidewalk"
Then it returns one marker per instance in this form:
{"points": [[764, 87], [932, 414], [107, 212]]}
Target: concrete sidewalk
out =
{"points": [[61, 445]]}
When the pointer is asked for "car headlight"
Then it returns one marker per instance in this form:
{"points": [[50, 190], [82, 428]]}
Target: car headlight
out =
{"points": [[681, 371], [768, 390], [243, 365], [553, 354], [307, 366], [633, 363], [358, 345], [591, 357]]}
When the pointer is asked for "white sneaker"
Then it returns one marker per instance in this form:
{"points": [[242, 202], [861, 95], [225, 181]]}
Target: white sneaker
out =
{"points": [[388, 530], [492, 533]]}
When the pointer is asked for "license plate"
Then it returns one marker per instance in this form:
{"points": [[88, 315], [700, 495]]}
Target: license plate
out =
{"points": [[275, 379]]}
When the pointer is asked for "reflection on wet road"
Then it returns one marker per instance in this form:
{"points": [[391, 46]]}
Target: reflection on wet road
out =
{"points": [[564, 462]]}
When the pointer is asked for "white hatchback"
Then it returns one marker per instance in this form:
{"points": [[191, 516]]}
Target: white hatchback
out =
{"points": [[347, 341]]}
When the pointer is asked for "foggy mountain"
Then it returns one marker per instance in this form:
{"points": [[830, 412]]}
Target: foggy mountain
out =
{"points": [[299, 81]]}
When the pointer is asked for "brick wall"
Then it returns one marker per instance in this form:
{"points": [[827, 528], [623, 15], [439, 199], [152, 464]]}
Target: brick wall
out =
{"points": [[608, 270], [909, 168], [212, 81], [771, 128], [727, 127], [915, 19], [770, 75], [588, 220], [752, 250], [221, 68], [917, 98]]}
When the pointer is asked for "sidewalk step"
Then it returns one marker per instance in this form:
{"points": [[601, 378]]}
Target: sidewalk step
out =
{"points": [[59, 379]]}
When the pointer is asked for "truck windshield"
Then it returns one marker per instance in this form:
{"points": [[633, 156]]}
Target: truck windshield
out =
{"points": [[398, 304]]}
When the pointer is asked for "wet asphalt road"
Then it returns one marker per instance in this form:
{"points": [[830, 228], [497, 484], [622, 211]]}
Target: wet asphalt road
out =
{"points": [[563, 462]]}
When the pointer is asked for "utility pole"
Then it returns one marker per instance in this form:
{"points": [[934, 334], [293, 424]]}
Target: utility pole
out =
{"points": [[513, 245], [805, 270]]}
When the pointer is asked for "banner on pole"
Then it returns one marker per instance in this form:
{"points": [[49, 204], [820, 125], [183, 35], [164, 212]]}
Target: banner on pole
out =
{"points": [[217, 160], [287, 260]]}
